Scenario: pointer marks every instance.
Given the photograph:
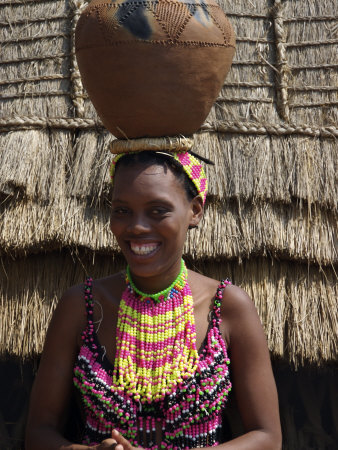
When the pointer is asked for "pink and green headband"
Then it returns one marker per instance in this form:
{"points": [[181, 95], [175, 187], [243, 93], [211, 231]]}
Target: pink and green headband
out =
{"points": [[191, 166]]}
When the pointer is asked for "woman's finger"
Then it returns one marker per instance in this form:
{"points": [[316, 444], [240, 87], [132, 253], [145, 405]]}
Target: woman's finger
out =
{"points": [[107, 443], [122, 443]]}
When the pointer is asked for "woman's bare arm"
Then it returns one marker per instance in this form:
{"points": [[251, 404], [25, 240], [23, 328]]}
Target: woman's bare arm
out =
{"points": [[53, 384], [251, 374]]}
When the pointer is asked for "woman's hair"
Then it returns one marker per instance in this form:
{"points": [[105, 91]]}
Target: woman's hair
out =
{"points": [[148, 158]]}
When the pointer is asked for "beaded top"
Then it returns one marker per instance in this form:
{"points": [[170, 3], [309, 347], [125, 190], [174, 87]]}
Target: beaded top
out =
{"points": [[189, 416]]}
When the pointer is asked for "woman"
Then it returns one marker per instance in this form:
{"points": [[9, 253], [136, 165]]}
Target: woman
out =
{"points": [[148, 349]]}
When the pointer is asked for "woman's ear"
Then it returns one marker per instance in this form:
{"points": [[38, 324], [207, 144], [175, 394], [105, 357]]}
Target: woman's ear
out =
{"points": [[197, 210]]}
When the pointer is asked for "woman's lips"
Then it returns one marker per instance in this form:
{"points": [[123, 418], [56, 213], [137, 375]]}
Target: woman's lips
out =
{"points": [[143, 248]]}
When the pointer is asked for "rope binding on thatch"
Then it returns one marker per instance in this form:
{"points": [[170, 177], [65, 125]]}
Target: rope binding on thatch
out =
{"points": [[221, 126]]}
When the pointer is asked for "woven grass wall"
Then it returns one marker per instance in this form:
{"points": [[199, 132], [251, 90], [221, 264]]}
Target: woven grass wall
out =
{"points": [[271, 216]]}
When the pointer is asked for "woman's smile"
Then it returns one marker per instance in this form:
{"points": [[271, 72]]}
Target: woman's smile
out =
{"points": [[144, 249]]}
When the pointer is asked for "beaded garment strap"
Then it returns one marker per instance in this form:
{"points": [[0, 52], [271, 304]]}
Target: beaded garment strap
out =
{"points": [[218, 298], [155, 341], [89, 332]]}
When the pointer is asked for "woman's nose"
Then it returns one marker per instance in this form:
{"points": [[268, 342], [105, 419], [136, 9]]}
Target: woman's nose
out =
{"points": [[138, 224]]}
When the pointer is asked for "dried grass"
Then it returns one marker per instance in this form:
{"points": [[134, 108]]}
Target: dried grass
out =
{"points": [[248, 168], [296, 303], [26, 41], [273, 191]]}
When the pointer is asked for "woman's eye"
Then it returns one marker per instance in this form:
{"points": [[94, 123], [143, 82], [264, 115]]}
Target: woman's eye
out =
{"points": [[120, 211], [159, 211]]}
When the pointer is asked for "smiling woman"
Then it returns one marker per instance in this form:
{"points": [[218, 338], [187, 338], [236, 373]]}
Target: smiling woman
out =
{"points": [[148, 350]]}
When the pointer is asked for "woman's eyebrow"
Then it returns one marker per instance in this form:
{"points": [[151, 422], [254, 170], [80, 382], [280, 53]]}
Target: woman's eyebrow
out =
{"points": [[160, 200], [150, 202], [118, 200]]}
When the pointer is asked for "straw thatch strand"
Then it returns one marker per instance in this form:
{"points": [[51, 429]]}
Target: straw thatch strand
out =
{"points": [[315, 43], [39, 78], [272, 168], [78, 91], [35, 58], [283, 68], [40, 170], [228, 230], [249, 9], [30, 41], [271, 129], [225, 126], [323, 18], [11, 23], [26, 122]]}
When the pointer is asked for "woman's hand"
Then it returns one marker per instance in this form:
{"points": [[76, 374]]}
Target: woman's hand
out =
{"points": [[122, 443]]}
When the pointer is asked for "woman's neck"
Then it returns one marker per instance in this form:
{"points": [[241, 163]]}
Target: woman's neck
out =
{"points": [[158, 282]]}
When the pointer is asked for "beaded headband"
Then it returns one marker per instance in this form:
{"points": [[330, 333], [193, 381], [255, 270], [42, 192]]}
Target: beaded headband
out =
{"points": [[191, 166]]}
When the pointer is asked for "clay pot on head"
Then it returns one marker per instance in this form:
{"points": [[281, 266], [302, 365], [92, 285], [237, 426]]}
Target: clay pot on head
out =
{"points": [[153, 68]]}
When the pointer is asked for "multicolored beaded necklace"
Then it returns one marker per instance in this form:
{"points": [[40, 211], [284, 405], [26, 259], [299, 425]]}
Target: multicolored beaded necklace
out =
{"points": [[155, 340]]}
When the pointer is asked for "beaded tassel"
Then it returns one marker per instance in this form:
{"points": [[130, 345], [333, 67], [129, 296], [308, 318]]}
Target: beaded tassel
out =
{"points": [[155, 340]]}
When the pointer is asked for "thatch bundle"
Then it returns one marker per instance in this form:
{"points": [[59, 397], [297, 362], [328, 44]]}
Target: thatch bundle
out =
{"points": [[290, 325], [271, 216], [272, 211]]}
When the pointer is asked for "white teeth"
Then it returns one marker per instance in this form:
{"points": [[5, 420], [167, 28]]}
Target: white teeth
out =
{"points": [[143, 249]]}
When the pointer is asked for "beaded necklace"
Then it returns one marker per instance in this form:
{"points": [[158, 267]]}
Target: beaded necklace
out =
{"points": [[159, 296], [155, 340]]}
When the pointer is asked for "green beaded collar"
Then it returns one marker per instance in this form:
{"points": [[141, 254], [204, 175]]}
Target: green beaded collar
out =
{"points": [[162, 295]]}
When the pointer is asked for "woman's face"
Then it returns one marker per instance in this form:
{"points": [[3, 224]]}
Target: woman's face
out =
{"points": [[150, 218]]}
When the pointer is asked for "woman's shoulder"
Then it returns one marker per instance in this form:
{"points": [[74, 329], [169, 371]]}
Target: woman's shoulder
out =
{"points": [[72, 302], [110, 287], [236, 304], [202, 282], [70, 315], [233, 296], [235, 300]]}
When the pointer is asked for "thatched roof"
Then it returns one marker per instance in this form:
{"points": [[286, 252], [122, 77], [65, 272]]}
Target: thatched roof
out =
{"points": [[271, 217]]}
